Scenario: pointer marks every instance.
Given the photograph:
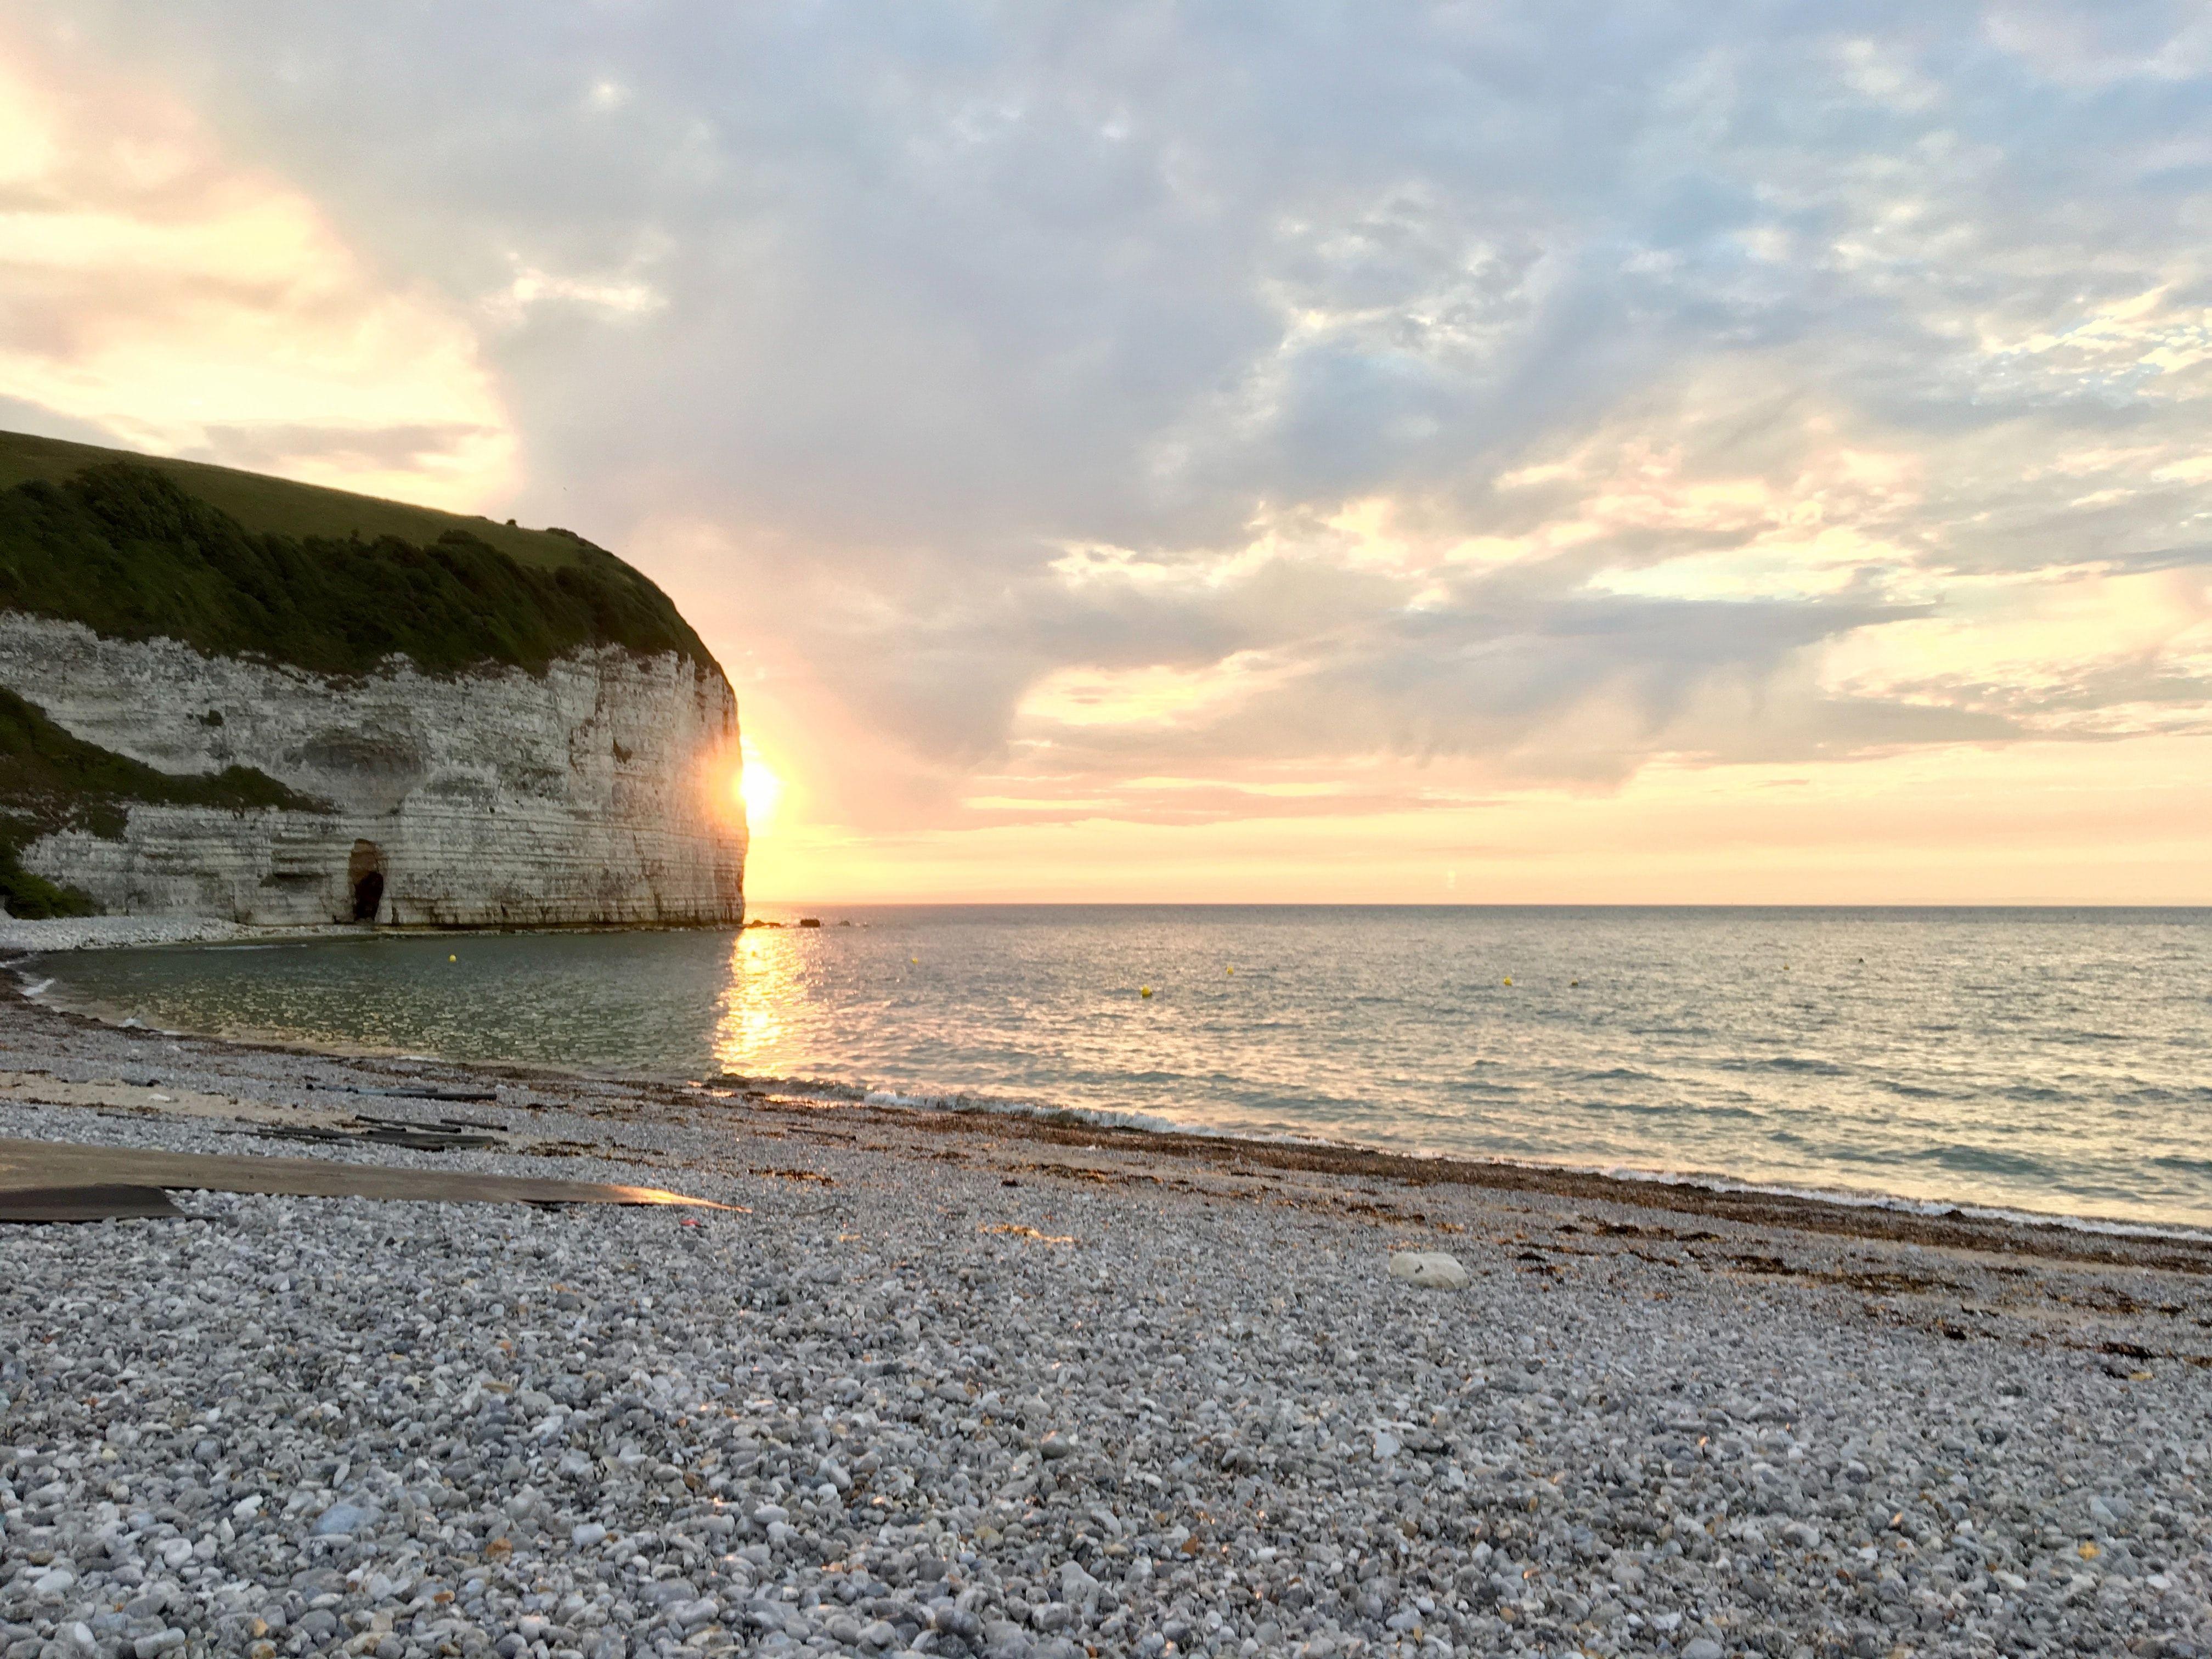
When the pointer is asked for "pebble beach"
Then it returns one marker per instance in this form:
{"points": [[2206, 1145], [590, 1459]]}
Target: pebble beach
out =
{"points": [[952, 1384]]}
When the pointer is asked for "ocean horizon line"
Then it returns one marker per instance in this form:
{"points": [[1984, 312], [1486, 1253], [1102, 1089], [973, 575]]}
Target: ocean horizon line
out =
{"points": [[1488, 907]]}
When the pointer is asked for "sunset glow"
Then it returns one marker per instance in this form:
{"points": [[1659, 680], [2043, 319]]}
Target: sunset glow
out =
{"points": [[1574, 516], [213, 312], [759, 789]]}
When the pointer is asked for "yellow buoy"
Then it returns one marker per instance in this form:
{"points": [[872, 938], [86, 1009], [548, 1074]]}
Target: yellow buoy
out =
{"points": [[915, 960], [1143, 990], [1232, 972], [1574, 985], [1508, 980], [453, 958]]}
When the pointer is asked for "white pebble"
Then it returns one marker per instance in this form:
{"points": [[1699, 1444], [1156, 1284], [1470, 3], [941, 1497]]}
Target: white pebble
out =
{"points": [[1429, 1270]]}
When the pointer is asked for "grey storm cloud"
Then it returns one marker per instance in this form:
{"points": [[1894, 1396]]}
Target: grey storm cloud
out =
{"points": [[914, 299]]}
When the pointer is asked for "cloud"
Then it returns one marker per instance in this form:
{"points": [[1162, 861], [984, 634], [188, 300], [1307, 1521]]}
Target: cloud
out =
{"points": [[1378, 403], [614, 295], [155, 291]]}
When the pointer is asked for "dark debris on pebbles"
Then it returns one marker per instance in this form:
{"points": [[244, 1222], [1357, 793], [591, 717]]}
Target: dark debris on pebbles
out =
{"points": [[1126, 1407]]}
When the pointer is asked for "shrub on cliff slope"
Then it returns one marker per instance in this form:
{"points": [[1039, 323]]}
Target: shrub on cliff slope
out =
{"points": [[124, 549]]}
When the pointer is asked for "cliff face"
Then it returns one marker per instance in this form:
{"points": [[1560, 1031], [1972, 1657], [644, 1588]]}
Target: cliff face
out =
{"points": [[569, 757], [597, 791]]}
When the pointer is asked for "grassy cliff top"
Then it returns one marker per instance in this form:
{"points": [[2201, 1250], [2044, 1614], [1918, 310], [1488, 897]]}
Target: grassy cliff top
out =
{"points": [[236, 564], [279, 507]]}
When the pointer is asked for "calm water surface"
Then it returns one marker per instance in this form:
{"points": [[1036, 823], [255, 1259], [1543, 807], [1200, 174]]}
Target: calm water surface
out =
{"points": [[2049, 1059]]}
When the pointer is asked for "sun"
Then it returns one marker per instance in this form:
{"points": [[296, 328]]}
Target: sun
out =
{"points": [[758, 788]]}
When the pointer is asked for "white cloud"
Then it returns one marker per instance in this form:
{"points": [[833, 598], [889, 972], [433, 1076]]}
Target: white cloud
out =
{"points": [[616, 296]]}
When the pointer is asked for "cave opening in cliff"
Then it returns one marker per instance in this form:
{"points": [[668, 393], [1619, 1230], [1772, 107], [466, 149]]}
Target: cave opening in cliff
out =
{"points": [[367, 896], [365, 871]]}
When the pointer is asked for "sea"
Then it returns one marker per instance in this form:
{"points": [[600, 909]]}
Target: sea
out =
{"points": [[2043, 1061]]}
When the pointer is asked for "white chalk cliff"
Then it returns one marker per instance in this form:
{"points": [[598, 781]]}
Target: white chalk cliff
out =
{"points": [[599, 791]]}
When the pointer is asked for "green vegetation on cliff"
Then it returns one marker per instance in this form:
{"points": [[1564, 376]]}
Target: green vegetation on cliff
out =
{"points": [[233, 564], [282, 506], [50, 781]]}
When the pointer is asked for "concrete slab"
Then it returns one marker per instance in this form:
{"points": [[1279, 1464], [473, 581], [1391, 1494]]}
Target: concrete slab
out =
{"points": [[32, 1165]]}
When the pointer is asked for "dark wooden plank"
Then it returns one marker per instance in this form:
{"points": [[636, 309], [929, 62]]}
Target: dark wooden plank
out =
{"points": [[103, 1202], [26, 1164]]}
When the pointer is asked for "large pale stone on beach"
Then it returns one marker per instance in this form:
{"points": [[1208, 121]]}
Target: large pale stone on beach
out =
{"points": [[346, 1518], [1428, 1270]]}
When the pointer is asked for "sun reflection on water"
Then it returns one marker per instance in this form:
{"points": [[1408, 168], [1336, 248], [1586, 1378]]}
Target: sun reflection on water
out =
{"points": [[758, 1017]]}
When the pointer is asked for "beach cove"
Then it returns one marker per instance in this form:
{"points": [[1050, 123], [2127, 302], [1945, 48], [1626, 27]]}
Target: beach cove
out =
{"points": [[959, 1382], [1295, 832]]}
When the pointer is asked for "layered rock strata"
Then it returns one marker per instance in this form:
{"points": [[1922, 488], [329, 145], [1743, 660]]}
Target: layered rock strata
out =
{"points": [[600, 790]]}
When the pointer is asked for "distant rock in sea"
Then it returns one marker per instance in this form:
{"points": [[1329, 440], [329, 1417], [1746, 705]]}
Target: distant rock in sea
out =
{"points": [[228, 695]]}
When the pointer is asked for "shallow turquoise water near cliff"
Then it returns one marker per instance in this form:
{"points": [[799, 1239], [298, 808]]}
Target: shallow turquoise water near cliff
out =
{"points": [[2048, 1060]]}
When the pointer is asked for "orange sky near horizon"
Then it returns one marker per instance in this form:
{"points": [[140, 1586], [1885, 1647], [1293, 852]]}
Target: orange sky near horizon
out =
{"points": [[2034, 824]]}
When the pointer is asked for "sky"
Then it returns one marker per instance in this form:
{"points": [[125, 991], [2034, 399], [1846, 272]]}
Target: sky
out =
{"points": [[1697, 453]]}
